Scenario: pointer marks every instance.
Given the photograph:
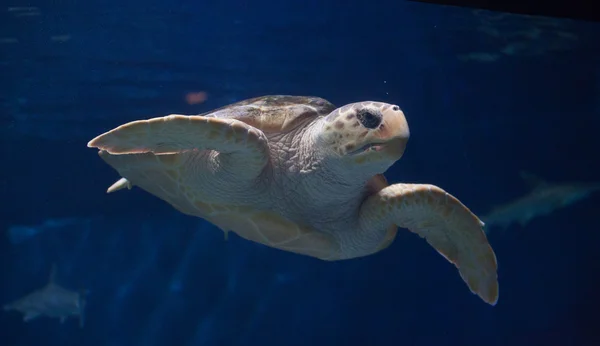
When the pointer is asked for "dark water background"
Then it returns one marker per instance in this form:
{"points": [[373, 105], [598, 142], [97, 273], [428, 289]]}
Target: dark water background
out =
{"points": [[486, 96]]}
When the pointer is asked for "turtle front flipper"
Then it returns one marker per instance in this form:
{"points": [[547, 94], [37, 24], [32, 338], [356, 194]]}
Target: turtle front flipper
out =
{"points": [[243, 148], [447, 225]]}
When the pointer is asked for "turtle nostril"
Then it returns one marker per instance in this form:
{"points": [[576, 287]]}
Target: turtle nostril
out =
{"points": [[395, 108]]}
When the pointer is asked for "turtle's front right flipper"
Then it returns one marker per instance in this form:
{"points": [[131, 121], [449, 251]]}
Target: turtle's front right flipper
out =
{"points": [[447, 225], [241, 146]]}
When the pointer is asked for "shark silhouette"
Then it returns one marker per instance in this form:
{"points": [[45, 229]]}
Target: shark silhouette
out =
{"points": [[52, 300], [543, 198]]}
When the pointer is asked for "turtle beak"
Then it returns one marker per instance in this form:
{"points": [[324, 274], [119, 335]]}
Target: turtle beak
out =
{"points": [[393, 133]]}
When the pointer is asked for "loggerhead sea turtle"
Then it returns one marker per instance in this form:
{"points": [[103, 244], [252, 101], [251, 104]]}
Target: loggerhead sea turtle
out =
{"points": [[297, 174]]}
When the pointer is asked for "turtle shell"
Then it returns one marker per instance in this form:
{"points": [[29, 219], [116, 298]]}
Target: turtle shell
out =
{"points": [[275, 113]]}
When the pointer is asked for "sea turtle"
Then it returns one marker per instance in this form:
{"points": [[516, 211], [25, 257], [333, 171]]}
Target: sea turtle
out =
{"points": [[297, 174]]}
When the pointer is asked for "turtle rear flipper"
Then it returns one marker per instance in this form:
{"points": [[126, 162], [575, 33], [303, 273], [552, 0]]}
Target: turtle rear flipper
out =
{"points": [[119, 185]]}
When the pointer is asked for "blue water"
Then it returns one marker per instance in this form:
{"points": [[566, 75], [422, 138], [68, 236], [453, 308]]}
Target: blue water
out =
{"points": [[485, 95]]}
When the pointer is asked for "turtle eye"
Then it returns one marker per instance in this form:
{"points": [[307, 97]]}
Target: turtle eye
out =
{"points": [[369, 118]]}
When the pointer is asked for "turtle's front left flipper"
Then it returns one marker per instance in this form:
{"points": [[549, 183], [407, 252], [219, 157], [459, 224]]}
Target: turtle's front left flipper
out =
{"points": [[447, 225], [241, 147]]}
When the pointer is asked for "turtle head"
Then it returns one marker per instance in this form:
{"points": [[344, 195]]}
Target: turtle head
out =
{"points": [[370, 135]]}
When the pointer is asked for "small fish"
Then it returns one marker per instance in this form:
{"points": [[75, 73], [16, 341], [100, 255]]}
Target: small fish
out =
{"points": [[20, 233], [60, 38], [53, 301], [9, 40], [23, 9], [543, 199]]}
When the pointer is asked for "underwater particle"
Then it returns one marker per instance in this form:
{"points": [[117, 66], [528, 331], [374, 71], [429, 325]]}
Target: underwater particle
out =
{"points": [[194, 98]]}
